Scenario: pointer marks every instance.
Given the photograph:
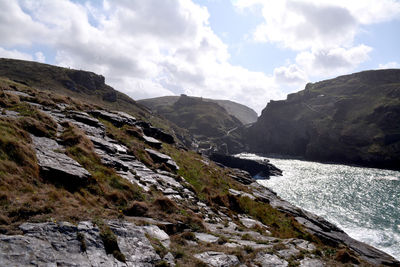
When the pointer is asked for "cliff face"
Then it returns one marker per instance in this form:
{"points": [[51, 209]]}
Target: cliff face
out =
{"points": [[349, 119]]}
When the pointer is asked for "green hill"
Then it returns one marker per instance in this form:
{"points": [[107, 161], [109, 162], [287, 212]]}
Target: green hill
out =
{"points": [[212, 126], [350, 119], [243, 113]]}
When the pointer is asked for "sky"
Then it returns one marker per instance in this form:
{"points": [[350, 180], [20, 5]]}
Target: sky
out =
{"points": [[248, 51]]}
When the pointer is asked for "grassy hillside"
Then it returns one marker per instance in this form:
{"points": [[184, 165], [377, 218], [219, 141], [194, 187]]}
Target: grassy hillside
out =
{"points": [[83, 85], [350, 119], [243, 113]]}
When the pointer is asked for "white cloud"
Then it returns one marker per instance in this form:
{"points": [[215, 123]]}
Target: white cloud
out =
{"points": [[4, 53], [322, 32], [143, 48], [389, 65], [39, 56], [336, 60], [291, 74]]}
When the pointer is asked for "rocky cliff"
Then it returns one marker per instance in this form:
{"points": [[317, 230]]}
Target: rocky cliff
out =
{"points": [[351, 119], [82, 185]]}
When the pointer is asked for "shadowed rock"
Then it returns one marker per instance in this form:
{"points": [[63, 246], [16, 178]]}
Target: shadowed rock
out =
{"points": [[58, 167], [255, 168], [159, 134], [162, 158], [152, 142]]}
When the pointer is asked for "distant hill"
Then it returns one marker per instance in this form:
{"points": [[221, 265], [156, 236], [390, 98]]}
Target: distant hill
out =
{"points": [[350, 119], [243, 113], [210, 123], [200, 117]]}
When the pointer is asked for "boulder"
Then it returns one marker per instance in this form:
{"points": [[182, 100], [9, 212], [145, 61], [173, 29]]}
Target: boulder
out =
{"points": [[58, 167]]}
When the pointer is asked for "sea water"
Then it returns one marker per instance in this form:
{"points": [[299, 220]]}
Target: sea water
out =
{"points": [[364, 202]]}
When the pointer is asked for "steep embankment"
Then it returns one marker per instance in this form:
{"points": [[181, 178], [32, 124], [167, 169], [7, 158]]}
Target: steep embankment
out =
{"points": [[349, 119], [241, 112]]}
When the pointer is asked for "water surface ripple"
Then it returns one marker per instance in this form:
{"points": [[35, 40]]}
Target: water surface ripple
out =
{"points": [[364, 202]]}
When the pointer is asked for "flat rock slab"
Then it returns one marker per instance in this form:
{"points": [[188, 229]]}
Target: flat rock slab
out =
{"points": [[307, 262], [57, 244], [264, 259], [162, 158], [117, 120], [217, 259], [206, 237], [152, 142], [85, 118], [155, 232], [241, 194], [56, 166]]}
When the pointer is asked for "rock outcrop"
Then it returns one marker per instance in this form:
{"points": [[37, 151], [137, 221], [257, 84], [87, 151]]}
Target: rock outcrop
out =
{"points": [[65, 244], [257, 169], [351, 119]]}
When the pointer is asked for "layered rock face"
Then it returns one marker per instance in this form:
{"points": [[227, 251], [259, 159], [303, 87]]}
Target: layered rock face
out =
{"points": [[349, 119]]}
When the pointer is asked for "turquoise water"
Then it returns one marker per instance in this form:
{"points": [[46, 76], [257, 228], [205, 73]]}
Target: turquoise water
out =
{"points": [[364, 202]]}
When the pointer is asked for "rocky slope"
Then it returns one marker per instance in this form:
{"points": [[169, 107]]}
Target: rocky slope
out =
{"points": [[86, 186], [241, 112], [84, 86], [350, 119]]}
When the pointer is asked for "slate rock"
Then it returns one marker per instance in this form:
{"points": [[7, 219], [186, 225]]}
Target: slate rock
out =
{"points": [[102, 144], [169, 258], [307, 262], [207, 238], [217, 259], [56, 166], [116, 119], [85, 118], [158, 134], [152, 142], [268, 260], [162, 158]]}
